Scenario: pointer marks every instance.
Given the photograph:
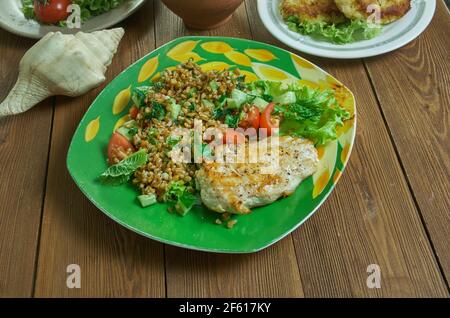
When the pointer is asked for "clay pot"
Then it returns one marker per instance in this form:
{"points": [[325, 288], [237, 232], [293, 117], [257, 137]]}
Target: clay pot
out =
{"points": [[203, 14]]}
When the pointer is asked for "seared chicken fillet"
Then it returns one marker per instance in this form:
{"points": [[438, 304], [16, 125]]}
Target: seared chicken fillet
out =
{"points": [[238, 187]]}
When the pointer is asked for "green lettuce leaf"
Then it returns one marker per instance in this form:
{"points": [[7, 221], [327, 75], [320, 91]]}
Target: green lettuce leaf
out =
{"points": [[315, 115], [340, 33], [28, 9], [175, 191], [120, 173], [310, 113], [178, 195], [185, 203]]}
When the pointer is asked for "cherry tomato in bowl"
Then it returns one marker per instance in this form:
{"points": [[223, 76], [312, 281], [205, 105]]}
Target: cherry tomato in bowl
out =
{"points": [[51, 11]]}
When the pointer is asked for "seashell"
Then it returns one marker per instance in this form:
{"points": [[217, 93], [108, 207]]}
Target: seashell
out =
{"points": [[61, 64]]}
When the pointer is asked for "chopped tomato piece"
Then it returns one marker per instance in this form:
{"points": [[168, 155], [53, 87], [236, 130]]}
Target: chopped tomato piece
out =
{"points": [[119, 148], [251, 118], [134, 112], [267, 121]]}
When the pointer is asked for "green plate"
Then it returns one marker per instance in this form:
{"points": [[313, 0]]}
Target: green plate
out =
{"points": [[86, 158]]}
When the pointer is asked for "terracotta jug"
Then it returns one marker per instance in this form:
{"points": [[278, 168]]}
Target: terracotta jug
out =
{"points": [[203, 14]]}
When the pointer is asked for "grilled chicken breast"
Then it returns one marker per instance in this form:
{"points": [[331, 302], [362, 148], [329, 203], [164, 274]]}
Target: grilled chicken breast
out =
{"points": [[237, 187]]}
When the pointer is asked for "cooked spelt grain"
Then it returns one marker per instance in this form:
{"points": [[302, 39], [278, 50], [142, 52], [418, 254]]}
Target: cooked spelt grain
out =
{"points": [[188, 85]]}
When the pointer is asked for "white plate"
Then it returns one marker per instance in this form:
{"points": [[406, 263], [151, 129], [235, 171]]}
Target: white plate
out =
{"points": [[13, 20], [392, 36]]}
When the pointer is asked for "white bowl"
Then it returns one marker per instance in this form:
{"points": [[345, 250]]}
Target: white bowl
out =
{"points": [[13, 20], [392, 36]]}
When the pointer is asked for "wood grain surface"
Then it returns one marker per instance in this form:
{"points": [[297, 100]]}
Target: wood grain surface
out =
{"points": [[24, 145], [114, 261], [413, 88], [379, 226], [391, 206]]}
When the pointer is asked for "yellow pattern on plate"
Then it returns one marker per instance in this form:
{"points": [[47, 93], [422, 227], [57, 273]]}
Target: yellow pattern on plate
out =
{"points": [[260, 55], [183, 58], [302, 62], [216, 47], [214, 66], [148, 69], [344, 153], [309, 83], [249, 76], [348, 124], [239, 58], [121, 121], [183, 52], [271, 73], [320, 184], [157, 76], [182, 48], [121, 101], [327, 160], [345, 98], [320, 151], [92, 129], [337, 175]]}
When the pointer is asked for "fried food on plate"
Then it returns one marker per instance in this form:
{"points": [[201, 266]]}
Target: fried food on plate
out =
{"points": [[237, 187], [390, 10], [312, 10]]}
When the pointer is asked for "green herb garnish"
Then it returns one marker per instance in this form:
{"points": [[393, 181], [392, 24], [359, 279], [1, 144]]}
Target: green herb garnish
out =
{"points": [[120, 173], [180, 197], [157, 111]]}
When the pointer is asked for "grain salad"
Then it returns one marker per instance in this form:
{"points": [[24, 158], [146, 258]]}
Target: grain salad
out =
{"points": [[188, 87], [184, 99]]}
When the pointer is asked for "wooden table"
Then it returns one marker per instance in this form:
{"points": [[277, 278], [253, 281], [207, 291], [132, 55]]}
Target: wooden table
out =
{"points": [[390, 208]]}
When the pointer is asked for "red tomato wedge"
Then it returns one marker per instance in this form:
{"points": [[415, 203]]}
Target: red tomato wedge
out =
{"points": [[51, 11], [231, 136], [118, 148], [251, 118], [267, 121], [134, 112]]}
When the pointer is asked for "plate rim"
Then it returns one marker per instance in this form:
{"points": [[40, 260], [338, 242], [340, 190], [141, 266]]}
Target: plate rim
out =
{"points": [[404, 39], [103, 26], [188, 246]]}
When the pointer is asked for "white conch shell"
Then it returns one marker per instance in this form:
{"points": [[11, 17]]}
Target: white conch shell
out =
{"points": [[61, 64]]}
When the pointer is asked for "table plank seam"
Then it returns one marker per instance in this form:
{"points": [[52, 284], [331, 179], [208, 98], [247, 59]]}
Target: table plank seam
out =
{"points": [[166, 292], [250, 29], [408, 183], [297, 258], [44, 192]]}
